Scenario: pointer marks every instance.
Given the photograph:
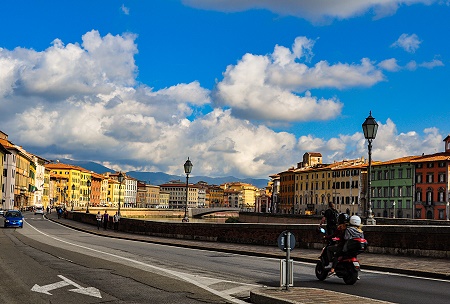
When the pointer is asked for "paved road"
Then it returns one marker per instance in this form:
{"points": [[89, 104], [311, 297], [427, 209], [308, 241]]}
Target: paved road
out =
{"points": [[26, 260], [228, 277]]}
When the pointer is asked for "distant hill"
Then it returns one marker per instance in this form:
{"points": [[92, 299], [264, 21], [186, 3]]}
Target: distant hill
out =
{"points": [[158, 178]]}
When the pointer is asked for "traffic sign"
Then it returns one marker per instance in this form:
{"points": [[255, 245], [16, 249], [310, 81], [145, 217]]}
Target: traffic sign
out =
{"points": [[282, 240]]}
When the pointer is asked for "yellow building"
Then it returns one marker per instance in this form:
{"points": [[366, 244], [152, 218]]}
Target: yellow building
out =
{"points": [[322, 183], [23, 181], [247, 193], [73, 175]]}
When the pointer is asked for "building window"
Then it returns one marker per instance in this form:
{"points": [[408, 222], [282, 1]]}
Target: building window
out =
{"points": [[418, 178], [429, 177], [408, 173], [386, 174], [441, 196], [400, 173], [441, 177], [429, 197], [400, 191], [430, 165]]}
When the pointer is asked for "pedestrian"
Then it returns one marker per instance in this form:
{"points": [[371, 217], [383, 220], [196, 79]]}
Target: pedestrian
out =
{"points": [[116, 219], [99, 220], [331, 217], [105, 220], [48, 209]]}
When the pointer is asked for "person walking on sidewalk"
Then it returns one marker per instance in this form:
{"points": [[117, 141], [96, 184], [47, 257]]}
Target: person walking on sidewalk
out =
{"points": [[116, 219], [331, 218], [99, 220], [105, 220]]}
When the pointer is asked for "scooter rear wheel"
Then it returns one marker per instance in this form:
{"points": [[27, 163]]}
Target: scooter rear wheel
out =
{"points": [[351, 277]]}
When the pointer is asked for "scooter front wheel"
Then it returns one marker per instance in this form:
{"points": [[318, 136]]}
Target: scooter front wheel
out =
{"points": [[321, 273]]}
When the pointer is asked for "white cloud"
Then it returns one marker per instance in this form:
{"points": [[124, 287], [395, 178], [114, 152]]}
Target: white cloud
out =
{"points": [[125, 9], [313, 10], [83, 102], [389, 65], [268, 87], [388, 144], [432, 64], [409, 43]]}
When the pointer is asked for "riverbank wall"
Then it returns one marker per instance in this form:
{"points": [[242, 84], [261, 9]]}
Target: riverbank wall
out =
{"points": [[407, 240]]}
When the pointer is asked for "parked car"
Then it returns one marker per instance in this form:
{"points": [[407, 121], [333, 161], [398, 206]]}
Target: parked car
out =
{"points": [[13, 218], [1, 212]]}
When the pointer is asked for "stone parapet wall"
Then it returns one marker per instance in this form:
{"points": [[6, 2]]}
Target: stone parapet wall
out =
{"points": [[413, 240]]}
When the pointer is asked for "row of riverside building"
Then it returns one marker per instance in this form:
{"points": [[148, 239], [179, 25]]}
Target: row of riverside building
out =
{"points": [[29, 180], [415, 187]]}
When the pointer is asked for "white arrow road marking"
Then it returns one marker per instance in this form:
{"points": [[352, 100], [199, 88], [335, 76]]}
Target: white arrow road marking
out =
{"points": [[89, 291], [46, 288]]}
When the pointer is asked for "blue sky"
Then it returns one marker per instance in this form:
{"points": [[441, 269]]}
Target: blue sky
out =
{"points": [[242, 87]]}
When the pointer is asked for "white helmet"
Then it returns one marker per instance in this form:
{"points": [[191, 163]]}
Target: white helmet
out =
{"points": [[355, 220]]}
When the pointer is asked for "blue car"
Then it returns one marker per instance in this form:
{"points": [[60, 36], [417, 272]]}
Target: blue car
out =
{"points": [[13, 218]]}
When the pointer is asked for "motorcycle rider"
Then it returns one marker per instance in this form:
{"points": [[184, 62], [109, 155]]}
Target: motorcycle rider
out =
{"points": [[351, 231], [354, 228], [334, 250]]}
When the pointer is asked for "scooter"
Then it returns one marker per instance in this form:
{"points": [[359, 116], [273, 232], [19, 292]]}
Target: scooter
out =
{"points": [[347, 266]]}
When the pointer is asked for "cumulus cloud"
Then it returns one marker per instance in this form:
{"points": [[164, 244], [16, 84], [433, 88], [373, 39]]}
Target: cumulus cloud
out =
{"points": [[276, 86], [409, 43], [389, 144], [82, 101], [313, 10]]}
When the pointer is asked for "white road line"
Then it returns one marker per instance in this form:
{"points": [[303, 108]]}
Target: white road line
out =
{"points": [[171, 272]]}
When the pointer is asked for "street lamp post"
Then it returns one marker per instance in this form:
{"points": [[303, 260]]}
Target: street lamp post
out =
{"points": [[448, 204], [89, 195], [120, 179], [393, 204], [73, 195], [187, 169], [65, 196], [370, 128]]}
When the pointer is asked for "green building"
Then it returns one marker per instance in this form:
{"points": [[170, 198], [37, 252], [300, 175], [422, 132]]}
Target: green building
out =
{"points": [[392, 188]]}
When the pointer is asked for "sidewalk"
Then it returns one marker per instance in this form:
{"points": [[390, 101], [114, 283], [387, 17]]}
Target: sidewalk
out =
{"points": [[415, 266]]}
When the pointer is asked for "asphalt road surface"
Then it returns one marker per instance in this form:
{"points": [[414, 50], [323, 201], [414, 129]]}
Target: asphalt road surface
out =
{"points": [[45, 262]]}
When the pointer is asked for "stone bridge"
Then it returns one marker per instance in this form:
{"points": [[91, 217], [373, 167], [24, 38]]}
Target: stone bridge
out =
{"points": [[199, 212]]}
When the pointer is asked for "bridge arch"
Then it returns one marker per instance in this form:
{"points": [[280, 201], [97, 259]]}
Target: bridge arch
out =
{"points": [[199, 212]]}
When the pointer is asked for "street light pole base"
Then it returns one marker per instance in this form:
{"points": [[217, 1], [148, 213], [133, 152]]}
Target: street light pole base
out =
{"points": [[371, 221]]}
